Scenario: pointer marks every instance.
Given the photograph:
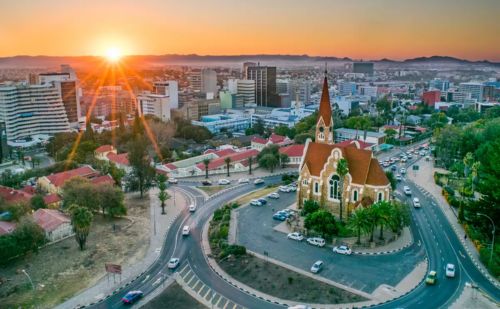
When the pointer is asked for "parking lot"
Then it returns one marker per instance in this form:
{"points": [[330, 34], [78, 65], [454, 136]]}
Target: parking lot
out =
{"points": [[362, 272]]}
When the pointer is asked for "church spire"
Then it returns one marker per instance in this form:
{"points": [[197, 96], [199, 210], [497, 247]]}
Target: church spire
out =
{"points": [[324, 125]]}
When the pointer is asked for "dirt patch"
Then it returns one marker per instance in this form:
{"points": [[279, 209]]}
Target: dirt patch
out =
{"points": [[283, 283], [257, 194], [61, 270], [211, 190], [174, 297]]}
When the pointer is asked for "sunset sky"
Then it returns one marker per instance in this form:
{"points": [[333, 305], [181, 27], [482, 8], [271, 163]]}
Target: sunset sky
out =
{"points": [[368, 29]]}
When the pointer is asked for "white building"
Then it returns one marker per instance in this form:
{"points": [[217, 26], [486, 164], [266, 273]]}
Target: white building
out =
{"points": [[29, 110], [154, 104], [346, 88], [228, 122], [475, 90], [370, 91], [169, 88], [283, 116], [343, 134], [244, 88]]}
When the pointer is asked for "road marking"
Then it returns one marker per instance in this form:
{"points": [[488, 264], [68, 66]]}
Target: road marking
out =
{"points": [[145, 279], [208, 291], [461, 254], [156, 282], [194, 277]]}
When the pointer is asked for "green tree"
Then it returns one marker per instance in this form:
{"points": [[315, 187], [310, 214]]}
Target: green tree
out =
{"points": [[358, 221], [268, 161], [137, 126], [392, 179], [250, 161], [111, 200], [81, 219], [390, 133], [29, 236], [206, 162], [82, 192], [373, 220], [228, 164], [284, 160], [384, 209], [142, 175], [258, 127], [161, 179], [37, 202], [309, 207], [322, 222], [400, 217], [342, 171]]}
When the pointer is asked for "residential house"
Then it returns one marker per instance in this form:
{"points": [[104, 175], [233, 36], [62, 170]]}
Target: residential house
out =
{"points": [[55, 224], [260, 143]]}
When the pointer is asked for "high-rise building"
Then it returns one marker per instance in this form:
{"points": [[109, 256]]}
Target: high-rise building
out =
{"points": [[230, 100], [475, 90], [265, 85], [282, 86], [363, 67], [439, 84], [246, 65], [168, 88], [154, 104], [346, 88], [431, 97], [28, 110], [300, 89], [204, 80], [244, 88]]}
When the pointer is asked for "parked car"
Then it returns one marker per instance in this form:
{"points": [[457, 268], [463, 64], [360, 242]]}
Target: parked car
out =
{"points": [[132, 296], [431, 278], [206, 183], [342, 250], [284, 189], [427, 158], [279, 217], [258, 181], [255, 202], [403, 171], [399, 178], [192, 208], [394, 167], [403, 159], [416, 202], [317, 266], [295, 236], [185, 230], [262, 201], [450, 270], [243, 180], [223, 181], [172, 180], [173, 263], [300, 307], [316, 241], [274, 195], [292, 188], [407, 190]]}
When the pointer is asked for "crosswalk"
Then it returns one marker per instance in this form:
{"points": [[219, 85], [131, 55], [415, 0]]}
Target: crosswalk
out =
{"points": [[216, 300]]}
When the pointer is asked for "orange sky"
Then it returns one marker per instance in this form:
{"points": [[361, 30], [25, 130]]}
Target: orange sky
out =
{"points": [[368, 29]]}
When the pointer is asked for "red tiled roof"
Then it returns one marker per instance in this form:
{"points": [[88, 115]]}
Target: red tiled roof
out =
{"points": [[170, 166], [29, 189], [325, 109], [235, 157], [102, 180], [224, 152], [50, 219], [276, 139], [60, 178], [293, 150], [10, 195], [121, 158], [51, 199], [362, 144], [104, 148], [376, 175], [259, 140], [6, 227]]}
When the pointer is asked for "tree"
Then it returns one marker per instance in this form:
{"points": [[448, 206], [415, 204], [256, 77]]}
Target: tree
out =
{"points": [[258, 127], [384, 215], [284, 159], [29, 236], [358, 222], [82, 192], [228, 164], [322, 222], [111, 200], [373, 220], [268, 161], [142, 175], [390, 133], [250, 161], [137, 126], [309, 207], [392, 179], [89, 132], [399, 217], [81, 219], [37, 202], [359, 123], [342, 171], [206, 162], [161, 179]]}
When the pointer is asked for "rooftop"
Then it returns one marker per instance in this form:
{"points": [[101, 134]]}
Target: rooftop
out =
{"points": [[50, 219]]}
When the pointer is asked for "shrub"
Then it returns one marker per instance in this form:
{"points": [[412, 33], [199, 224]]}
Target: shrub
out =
{"points": [[223, 232], [449, 190]]}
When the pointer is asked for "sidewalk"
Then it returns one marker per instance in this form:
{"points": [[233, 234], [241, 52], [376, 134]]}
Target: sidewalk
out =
{"points": [[159, 227], [424, 178]]}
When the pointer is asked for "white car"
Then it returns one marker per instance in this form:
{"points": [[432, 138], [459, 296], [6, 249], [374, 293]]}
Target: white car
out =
{"points": [[295, 236], [185, 230], [300, 307], [255, 202], [416, 202], [274, 195], [403, 171], [192, 208], [243, 180], [284, 189], [316, 241], [223, 182], [342, 250], [292, 188], [173, 263], [450, 270], [399, 178], [407, 190], [317, 266], [172, 180], [258, 181]]}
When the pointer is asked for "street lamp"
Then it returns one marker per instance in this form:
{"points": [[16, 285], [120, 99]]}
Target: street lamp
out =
{"points": [[493, 234], [29, 278]]}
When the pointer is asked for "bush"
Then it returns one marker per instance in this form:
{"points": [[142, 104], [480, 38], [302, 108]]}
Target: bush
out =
{"points": [[449, 190]]}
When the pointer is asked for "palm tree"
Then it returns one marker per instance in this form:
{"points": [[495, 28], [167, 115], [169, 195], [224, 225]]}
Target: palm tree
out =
{"points": [[284, 159], [342, 171], [384, 216], [228, 164], [81, 219], [359, 222], [162, 195], [250, 161], [400, 217], [206, 162], [372, 220]]}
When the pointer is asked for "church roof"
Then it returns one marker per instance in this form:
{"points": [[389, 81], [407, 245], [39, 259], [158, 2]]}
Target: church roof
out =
{"points": [[362, 167], [325, 109]]}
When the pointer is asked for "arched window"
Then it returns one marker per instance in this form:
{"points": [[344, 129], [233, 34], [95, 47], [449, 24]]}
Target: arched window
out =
{"points": [[334, 190], [355, 196], [321, 136], [304, 182], [380, 196], [316, 187]]}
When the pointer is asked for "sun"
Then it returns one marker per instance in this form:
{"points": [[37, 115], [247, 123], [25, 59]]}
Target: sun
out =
{"points": [[113, 54]]}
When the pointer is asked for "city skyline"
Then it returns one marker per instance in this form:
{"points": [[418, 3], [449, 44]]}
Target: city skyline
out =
{"points": [[359, 30]]}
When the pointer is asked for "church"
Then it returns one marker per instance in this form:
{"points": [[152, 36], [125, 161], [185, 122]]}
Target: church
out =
{"points": [[364, 184]]}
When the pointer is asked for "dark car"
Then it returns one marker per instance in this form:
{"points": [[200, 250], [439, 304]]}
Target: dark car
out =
{"points": [[132, 296], [206, 183], [262, 201]]}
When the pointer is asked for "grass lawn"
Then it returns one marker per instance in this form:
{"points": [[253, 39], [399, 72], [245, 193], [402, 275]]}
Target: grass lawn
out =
{"points": [[174, 297], [211, 190], [61, 270], [245, 199], [284, 283]]}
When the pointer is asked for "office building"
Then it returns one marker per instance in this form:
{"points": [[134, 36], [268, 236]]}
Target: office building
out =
{"points": [[67, 85], [154, 104], [244, 88], [265, 84], [282, 86], [370, 91], [246, 65], [363, 67], [343, 134], [439, 84], [346, 88], [227, 122], [204, 80], [170, 89], [29, 110], [475, 90], [300, 89], [431, 97]]}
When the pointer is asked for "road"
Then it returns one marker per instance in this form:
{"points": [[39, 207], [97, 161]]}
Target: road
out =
{"points": [[434, 232]]}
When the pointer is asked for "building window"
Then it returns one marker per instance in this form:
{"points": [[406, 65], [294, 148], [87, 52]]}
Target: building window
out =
{"points": [[355, 196], [316, 187], [321, 136], [304, 182], [334, 192], [380, 197]]}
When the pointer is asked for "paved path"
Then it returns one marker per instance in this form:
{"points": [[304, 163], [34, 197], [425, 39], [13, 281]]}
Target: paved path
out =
{"points": [[159, 227]]}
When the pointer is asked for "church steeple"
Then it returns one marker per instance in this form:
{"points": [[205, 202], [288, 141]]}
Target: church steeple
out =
{"points": [[324, 125]]}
